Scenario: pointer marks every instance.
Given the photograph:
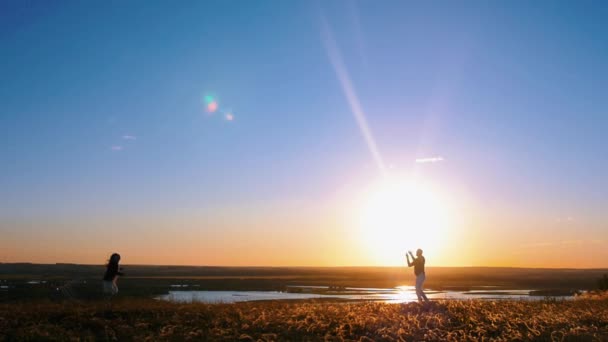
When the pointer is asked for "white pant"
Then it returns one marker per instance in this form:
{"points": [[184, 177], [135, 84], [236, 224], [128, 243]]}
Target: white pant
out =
{"points": [[419, 282], [109, 287]]}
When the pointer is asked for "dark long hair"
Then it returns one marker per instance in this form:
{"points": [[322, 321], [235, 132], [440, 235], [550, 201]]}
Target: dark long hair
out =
{"points": [[114, 259]]}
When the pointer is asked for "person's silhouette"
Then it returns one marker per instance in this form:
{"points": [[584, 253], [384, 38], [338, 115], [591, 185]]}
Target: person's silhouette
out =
{"points": [[418, 263], [111, 276]]}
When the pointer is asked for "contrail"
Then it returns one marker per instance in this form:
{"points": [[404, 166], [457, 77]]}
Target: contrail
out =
{"points": [[429, 160], [335, 57]]}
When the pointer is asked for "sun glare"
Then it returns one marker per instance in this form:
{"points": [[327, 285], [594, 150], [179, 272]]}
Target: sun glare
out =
{"points": [[397, 216]]}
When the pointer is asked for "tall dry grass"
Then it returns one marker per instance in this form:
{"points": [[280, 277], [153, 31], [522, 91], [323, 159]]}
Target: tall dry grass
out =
{"points": [[133, 319]]}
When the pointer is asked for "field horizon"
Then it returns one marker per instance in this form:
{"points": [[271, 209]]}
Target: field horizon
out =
{"points": [[298, 267], [26, 280], [33, 310]]}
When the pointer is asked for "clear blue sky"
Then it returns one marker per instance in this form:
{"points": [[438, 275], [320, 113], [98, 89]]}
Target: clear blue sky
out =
{"points": [[511, 94]]}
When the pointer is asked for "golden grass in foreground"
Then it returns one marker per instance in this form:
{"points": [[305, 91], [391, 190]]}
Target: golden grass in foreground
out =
{"points": [[132, 319]]}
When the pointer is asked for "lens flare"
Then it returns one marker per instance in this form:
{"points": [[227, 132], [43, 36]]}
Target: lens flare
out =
{"points": [[212, 107], [229, 117], [337, 62]]}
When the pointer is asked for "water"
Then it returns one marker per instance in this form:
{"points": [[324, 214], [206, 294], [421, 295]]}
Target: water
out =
{"points": [[36, 282], [401, 294]]}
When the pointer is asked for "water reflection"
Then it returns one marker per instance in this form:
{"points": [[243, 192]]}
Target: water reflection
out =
{"points": [[401, 294]]}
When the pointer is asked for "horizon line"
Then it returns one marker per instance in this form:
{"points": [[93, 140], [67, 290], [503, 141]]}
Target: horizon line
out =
{"points": [[253, 266]]}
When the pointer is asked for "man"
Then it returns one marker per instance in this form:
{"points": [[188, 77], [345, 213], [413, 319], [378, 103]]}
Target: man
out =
{"points": [[418, 263]]}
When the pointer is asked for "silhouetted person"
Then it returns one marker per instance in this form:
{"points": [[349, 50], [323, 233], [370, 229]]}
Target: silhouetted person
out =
{"points": [[418, 263], [111, 276]]}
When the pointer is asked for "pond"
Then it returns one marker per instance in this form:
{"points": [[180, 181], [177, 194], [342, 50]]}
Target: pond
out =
{"points": [[401, 294]]}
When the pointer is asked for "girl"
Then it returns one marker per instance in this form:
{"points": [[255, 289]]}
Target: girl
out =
{"points": [[111, 276]]}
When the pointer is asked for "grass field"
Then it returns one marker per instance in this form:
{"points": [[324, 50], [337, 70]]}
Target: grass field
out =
{"points": [[32, 308], [140, 319]]}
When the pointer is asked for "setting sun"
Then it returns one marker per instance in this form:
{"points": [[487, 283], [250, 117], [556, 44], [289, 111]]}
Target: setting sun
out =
{"points": [[396, 216]]}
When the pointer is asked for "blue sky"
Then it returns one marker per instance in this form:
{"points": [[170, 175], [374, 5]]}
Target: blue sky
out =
{"points": [[510, 94]]}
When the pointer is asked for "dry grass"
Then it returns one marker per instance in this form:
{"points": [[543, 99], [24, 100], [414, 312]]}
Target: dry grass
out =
{"points": [[132, 319]]}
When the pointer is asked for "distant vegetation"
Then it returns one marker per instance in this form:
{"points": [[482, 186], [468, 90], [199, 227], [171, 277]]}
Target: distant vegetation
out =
{"points": [[139, 319], [603, 283], [36, 281]]}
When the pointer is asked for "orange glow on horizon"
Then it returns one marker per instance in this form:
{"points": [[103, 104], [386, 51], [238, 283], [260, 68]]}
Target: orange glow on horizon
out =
{"points": [[299, 234]]}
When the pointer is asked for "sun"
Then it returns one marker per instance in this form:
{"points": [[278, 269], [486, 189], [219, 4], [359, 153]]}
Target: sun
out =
{"points": [[397, 216]]}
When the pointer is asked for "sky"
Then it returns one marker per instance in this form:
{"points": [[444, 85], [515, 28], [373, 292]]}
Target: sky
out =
{"points": [[253, 133]]}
